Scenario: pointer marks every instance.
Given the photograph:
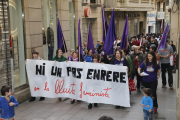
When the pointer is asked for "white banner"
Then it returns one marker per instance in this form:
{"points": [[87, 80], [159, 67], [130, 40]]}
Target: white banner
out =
{"points": [[90, 82]]}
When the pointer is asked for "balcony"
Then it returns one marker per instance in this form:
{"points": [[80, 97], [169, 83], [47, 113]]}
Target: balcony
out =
{"points": [[130, 5], [92, 3]]}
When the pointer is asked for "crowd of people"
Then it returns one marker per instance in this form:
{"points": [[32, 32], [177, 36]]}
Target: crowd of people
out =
{"points": [[141, 56]]}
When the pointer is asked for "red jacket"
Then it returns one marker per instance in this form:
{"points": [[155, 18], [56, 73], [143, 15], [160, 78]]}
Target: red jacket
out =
{"points": [[135, 43]]}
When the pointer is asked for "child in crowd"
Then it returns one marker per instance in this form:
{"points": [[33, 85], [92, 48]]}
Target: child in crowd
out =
{"points": [[7, 103], [147, 104]]}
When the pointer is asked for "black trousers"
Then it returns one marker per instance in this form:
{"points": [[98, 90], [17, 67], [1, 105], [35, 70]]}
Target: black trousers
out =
{"points": [[50, 52], [164, 67], [139, 78], [153, 86]]}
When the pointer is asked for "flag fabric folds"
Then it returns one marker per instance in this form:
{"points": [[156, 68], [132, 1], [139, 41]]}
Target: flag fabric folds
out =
{"points": [[164, 37], [111, 36], [105, 25], [124, 35], [90, 43], [60, 38], [80, 53]]}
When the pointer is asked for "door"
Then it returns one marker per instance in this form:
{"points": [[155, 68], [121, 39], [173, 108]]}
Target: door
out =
{"points": [[140, 27]]}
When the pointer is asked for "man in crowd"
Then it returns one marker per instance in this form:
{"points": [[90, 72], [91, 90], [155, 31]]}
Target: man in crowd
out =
{"points": [[135, 41], [164, 54], [98, 43], [117, 42], [153, 42], [173, 46]]}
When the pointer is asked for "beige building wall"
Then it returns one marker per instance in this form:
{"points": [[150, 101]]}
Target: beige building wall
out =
{"points": [[175, 36], [33, 27], [63, 15], [121, 22]]}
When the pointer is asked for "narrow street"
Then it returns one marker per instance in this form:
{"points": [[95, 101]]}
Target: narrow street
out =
{"points": [[50, 110]]}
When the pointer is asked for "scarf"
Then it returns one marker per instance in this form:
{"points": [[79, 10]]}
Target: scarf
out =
{"points": [[75, 59]]}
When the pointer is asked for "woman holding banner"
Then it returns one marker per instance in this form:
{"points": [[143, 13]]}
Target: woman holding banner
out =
{"points": [[88, 58], [60, 58], [96, 59], [121, 61], [36, 56], [152, 70], [74, 58]]}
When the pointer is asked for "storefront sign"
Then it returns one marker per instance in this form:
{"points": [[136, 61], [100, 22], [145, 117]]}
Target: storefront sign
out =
{"points": [[90, 82], [87, 11], [151, 18], [160, 15]]}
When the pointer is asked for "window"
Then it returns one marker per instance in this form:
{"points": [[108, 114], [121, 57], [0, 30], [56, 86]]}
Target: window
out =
{"points": [[17, 37]]}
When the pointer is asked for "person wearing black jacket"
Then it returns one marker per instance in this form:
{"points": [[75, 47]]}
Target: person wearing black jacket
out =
{"points": [[173, 46], [137, 59], [152, 43], [120, 61]]}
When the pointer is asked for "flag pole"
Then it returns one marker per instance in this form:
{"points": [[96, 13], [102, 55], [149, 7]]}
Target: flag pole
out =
{"points": [[79, 53], [88, 35], [64, 47]]}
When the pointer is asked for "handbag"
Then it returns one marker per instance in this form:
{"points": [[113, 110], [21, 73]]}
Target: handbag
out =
{"points": [[132, 85]]}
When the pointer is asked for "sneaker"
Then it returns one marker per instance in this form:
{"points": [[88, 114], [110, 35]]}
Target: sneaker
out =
{"points": [[42, 98], [163, 86], [95, 105], [32, 99], [90, 106], [72, 101], [155, 110], [171, 88], [117, 107]]}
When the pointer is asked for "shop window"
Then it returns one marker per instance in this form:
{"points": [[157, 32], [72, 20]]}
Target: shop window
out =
{"points": [[17, 38], [49, 28]]}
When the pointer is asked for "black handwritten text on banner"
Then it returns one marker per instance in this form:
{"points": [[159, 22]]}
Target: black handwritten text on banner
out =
{"points": [[90, 82]]}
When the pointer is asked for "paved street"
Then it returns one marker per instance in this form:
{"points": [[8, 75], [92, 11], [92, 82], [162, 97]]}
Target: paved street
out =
{"points": [[50, 110]]}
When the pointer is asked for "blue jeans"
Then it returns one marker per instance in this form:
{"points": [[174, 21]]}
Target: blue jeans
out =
{"points": [[147, 115]]}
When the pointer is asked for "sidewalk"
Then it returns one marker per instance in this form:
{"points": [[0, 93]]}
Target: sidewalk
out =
{"points": [[50, 110]]}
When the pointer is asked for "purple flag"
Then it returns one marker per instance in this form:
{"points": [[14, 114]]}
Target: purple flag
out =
{"points": [[103, 38], [79, 42], [105, 25], [90, 43], [164, 37], [124, 35], [60, 38], [162, 24], [111, 36]]}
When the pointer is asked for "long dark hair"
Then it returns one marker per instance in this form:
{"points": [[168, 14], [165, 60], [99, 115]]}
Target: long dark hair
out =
{"points": [[154, 61], [58, 51], [119, 52]]}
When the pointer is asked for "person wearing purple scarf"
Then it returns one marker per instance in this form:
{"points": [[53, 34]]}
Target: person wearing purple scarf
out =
{"points": [[75, 59], [70, 56]]}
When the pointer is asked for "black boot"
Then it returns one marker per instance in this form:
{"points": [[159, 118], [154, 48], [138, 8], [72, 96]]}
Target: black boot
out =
{"points": [[72, 101], [32, 99], [42, 98], [117, 107], [90, 106], [95, 105]]}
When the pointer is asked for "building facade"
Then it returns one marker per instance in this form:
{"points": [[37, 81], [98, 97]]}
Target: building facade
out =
{"points": [[28, 25], [136, 11]]}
